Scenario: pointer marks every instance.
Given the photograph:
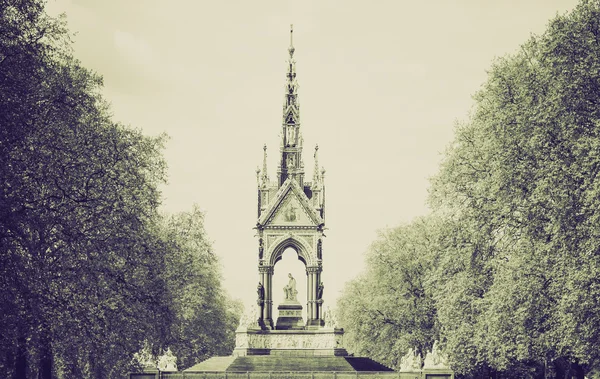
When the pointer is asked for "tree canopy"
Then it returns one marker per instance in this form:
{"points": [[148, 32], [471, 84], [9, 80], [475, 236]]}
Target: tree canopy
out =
{"points": [[390, 308], [516, 273], [89, 268]]}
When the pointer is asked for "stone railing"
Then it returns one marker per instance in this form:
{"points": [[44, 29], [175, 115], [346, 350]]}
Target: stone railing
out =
{"points": [[291, 375], [276, 375]]}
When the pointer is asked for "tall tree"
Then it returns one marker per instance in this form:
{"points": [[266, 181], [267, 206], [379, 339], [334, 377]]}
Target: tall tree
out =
{"points": [[515, 271], [84, 262], [390, 308], [205, 317], [521, 183]]}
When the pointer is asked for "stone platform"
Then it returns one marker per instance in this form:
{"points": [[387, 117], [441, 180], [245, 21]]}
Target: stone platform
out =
{"points": [[299, 343], [288, 364], [290, 316]]}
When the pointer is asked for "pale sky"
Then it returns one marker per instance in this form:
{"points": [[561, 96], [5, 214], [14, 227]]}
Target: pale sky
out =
{"points": [[381, 85]]}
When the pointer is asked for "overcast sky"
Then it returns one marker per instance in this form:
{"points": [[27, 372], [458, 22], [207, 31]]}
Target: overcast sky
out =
{"points": [[381, 86]]}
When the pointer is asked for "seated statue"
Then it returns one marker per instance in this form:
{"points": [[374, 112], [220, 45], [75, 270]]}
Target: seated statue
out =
{"points": [[290, 289]]}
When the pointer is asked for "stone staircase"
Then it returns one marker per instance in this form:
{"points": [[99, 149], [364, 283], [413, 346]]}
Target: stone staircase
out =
{"points": [[280, 363]]}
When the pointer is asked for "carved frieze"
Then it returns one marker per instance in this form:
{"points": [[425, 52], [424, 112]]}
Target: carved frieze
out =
{"points": [[289, 341], [290, 313]]}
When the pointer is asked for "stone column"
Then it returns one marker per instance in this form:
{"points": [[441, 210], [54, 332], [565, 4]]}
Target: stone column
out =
{"points": [[312, 311], [317, 300], [266, 275], [307, 296], [269, 320], [315, 290], [261, 302]]}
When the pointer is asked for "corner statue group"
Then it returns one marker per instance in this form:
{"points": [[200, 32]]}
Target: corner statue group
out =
{"points": [[290, 289]]}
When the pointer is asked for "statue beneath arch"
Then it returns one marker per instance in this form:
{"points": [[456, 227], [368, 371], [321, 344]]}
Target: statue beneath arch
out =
{"points": [[290, 289]]}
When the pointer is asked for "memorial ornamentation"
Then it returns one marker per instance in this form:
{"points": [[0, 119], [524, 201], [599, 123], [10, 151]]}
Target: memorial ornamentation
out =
{"points": [[290, 289], [167, 362], [290, 216], [330, 319], [411, 362], [436, 359], [144, 357], [249, 318]]}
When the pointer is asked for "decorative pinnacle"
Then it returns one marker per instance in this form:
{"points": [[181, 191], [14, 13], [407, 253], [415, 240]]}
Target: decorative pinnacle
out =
{"points": [[265, 176], [316, 172], [291, 48]]}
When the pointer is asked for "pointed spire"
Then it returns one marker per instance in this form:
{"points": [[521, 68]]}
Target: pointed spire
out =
{"points": [[291, 75], [291, 139], [265, 173], [316, 172]]}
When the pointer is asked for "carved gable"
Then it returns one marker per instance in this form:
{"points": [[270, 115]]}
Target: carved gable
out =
{"points": [[290, 208], [290, 212]]}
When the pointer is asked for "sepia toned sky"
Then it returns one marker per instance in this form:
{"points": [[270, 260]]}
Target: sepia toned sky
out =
{"points": [[381, 86]]}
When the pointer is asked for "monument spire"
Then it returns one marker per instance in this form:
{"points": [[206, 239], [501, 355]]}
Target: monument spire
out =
{"points": [[291, 140], [290, 217]]}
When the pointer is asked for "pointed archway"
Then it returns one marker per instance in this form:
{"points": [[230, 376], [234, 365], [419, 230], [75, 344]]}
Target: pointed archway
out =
{"points": [[307, 255]]}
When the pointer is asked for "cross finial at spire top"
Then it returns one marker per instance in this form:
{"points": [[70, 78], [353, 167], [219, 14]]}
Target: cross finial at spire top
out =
{"points": [[291, 49]]}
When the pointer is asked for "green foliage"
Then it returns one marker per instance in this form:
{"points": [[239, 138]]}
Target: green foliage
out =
{"points": [[88, 267], [517, 277], [390, 308], [520, 182], [206, 318]]}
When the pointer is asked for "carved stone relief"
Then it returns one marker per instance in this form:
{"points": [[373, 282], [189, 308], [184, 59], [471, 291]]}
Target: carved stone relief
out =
{"points": [[289, 341]]}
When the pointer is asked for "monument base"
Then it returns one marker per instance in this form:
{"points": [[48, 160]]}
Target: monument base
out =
{"points": [[298, 343], [315, 324], [290, 367], [290, 316]]}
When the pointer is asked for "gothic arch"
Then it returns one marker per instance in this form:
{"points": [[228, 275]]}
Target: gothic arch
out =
{"points": [[296, 243]]}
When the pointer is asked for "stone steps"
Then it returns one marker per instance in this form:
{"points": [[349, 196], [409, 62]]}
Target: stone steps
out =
{"points": [[272, 363], [280, 363]]}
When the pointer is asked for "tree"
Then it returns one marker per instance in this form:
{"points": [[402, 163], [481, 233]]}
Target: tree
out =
{"points": [[83, 258], [390, 308], [205, 317], [520, 182]]}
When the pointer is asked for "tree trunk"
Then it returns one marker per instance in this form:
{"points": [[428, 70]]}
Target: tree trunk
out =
{"points": [[578, 371], [21, 359], [45, 353]]}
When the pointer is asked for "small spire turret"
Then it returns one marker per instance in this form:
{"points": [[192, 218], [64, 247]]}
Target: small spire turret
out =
{"points": [[316, 170], [265, 172]]}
